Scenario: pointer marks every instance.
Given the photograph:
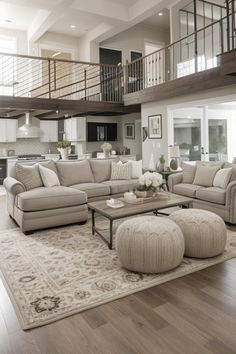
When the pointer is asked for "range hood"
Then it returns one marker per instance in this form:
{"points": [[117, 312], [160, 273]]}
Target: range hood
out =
{"points": [[28, 130]]}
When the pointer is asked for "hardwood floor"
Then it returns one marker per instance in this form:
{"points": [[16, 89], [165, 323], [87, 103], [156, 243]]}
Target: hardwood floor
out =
{"points": [[195, 314]]}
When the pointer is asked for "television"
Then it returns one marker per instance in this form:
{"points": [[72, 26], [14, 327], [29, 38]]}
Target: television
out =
{"points": [[101, 131]]}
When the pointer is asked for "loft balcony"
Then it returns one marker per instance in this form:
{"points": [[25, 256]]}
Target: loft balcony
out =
{"points": [[57, 89]]}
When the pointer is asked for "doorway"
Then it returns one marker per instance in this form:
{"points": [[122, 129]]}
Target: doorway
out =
{"points": [[200, 134]]}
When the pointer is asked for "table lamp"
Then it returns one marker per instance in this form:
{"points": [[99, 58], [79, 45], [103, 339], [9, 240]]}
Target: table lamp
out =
{"points": [[174, 155]]}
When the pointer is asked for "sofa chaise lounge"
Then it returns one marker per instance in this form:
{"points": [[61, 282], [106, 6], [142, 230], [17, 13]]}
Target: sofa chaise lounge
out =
{"points": [[80, 182]]}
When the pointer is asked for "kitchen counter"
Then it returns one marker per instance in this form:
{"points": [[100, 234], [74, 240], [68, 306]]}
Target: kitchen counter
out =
{"points": [[7, 157]]}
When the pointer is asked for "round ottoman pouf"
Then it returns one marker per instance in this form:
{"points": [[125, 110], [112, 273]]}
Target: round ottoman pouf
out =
{"points": [[149, 244], [204, 232]]}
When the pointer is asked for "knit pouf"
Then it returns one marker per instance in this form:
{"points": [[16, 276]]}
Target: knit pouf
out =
{"points": [[204, 232], [149, 244]]}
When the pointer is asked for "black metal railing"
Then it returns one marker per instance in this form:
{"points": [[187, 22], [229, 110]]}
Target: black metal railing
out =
{"points": [[28, 76], [191, 54]]}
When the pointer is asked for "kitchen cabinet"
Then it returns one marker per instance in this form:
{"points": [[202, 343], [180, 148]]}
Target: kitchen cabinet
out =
{"points": [[8, 129], [75, 129], [49, 131]]}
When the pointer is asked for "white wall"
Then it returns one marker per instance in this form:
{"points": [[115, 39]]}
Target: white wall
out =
{"points": [[21, 39], [154, 148], [135, 38]]}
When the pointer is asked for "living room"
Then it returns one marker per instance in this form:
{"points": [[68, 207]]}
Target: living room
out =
{"points": [[118, 176]]}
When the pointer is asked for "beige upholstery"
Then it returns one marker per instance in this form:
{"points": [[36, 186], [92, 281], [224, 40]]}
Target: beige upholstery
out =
{"points": [[149, 244], [188, 190], [29, 176], [93, 189], [13, 186], [49, 198], [212, 194], [71, 173], [49, 164], [101, 170], [121, 186], [205, 175], [204, 232], [188, 172]]}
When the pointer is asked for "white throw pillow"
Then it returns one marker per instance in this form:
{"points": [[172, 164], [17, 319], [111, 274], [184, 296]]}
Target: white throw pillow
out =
{"points": [[136, 168], [120, 170], [222, 178], [49, 177]]}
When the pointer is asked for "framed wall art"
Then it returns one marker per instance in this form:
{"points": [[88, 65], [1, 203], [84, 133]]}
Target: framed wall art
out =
{"points": [[155, 126], [129, 131]]}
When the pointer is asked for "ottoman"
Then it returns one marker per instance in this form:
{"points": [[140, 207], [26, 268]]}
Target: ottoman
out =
{"points": [[204, 232], [149, 244]]}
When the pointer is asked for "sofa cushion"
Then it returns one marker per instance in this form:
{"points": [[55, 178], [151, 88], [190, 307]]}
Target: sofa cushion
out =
{"points": [[101, 170], [188, 190], [29, 176], [93, 189], [212, 194], [205, 175], [49, 164], [50, 198], [189, 171], [222, 178], [121, 186], [71, 173]]}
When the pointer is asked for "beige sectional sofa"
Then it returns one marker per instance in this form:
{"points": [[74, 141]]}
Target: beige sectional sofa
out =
{"points": [[80, 182], [221, 201]]}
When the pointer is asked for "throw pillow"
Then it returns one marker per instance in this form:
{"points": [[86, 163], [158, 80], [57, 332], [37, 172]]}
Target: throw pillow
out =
{"points": [[205, 175], [233, 174], [136, 168], [29, 176], [222, 178], [49, 177], [120, 170], [189, 172]]}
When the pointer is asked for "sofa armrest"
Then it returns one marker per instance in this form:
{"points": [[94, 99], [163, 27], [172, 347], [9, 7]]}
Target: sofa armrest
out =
{"points": [[13, 186], [174, 179], [231, 201]]}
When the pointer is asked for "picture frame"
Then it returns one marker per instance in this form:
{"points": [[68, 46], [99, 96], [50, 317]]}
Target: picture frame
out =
{"points": [[155, 126], [129, 131]]}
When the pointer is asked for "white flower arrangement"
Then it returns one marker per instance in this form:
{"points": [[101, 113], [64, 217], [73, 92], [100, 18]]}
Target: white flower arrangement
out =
{"points": [[150, 181], [106, 147]]}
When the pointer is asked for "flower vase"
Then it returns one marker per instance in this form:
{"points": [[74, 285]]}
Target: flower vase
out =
{"points": [[64, 153], [144, 194], [106, 154]]}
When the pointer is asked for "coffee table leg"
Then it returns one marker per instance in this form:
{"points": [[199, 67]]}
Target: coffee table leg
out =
{"points": [[93, 222], [111, 235]]}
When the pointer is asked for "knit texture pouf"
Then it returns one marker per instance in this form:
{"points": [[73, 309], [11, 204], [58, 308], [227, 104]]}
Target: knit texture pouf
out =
{"points": [[149, 244], [204, 232]]}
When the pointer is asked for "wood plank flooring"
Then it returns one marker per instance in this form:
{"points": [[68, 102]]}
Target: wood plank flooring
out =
{"points": [[195, 314]]}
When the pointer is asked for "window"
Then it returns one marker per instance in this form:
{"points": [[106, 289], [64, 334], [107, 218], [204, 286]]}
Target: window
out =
{"points": [[188, 67], [7, 75], [135, 55]]}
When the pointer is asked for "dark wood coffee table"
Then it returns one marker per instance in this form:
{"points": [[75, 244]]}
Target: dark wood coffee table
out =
{"points": [[147, 206]]}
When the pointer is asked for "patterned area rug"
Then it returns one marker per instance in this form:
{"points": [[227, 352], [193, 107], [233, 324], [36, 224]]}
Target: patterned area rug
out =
{"points": [[57, 273]]}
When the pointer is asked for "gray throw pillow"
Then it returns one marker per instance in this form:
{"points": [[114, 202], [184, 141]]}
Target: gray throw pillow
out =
{"points": [[189, 172], [101, 170], [121, 170], [29, 176], [205, 175]]}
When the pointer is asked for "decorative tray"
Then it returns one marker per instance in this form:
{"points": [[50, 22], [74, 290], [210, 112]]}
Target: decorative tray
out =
{"points": [[115, 204]]}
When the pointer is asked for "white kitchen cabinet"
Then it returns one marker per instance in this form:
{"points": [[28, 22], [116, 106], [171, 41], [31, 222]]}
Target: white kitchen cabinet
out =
{"points": [[49, 131], [8, 129], [75, 129]]}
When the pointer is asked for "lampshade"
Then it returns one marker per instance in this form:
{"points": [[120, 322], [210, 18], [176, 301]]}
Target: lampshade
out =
{"points": [[174, 151]]}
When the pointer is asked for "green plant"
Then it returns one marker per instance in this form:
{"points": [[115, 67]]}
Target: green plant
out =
{"points": [[63, 144], [162, 160]]}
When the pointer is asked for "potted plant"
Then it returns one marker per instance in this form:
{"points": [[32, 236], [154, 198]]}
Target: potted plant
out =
{"points": [[161, 166], [149, 183], [64, 147], [106, 147]]}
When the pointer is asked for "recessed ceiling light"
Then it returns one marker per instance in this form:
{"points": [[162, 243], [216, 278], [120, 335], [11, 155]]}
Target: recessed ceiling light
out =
{"points": [[72, 26], [160, 13], [9, 20]]}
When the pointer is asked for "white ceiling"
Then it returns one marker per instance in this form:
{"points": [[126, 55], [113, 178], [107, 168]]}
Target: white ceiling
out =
{"points": [[96, 19]]}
